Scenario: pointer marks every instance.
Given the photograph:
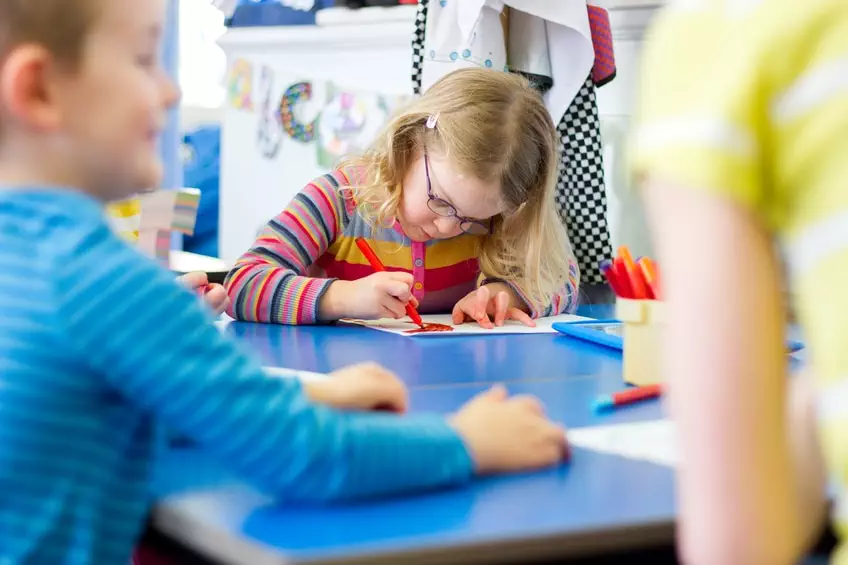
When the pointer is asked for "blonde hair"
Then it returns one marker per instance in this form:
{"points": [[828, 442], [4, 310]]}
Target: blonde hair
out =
{"points": [[494, 126]]}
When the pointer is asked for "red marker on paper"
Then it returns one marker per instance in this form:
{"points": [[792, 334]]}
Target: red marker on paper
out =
{"points": [[627, 396], [377, 265]]}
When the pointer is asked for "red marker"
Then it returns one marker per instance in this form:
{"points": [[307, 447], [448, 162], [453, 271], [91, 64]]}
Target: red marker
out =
{"points": [[378, 266], [609, 273], [626, 291], [627, 396], [634, 275]]}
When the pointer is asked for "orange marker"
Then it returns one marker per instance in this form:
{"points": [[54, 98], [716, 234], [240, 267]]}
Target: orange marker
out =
{"points": [[649, 274], [378, 266], [637, 283]]}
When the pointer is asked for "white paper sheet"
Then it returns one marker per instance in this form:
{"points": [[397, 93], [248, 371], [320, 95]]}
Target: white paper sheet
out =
{"points": [[401, 327], [289, 373], [652, 441]]}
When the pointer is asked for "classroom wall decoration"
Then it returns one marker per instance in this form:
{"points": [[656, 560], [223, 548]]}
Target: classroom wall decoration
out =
{"points": [[298, 92], [349, 122], [269, 131], [342, 121], [240, 85]]}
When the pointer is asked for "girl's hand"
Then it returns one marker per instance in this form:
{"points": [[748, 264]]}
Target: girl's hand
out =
{"points": [[366, 386], [214, 295], [381, 295], [490, 305]]}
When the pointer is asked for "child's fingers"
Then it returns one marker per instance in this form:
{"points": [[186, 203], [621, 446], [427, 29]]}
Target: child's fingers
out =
{"points": [[521, 316], [497, 392], [397, 289], [395, 307], [194, 280], [530, 403], [483, 319], [480, 306], [458, 313], [216, 297], [401, 276], [482, 297], [501, 307]]}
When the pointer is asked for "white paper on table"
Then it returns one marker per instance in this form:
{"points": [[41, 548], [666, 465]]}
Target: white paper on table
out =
{"points": [[292, 373], [652, 441], [401, 327], [222, 322]]}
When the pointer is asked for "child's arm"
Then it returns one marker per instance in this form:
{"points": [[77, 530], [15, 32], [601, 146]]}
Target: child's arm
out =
{"points": [[743, 499], [269, 282], [154, 344]]}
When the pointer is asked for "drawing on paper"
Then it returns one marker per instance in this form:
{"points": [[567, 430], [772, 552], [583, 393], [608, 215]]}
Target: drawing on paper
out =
{"points": [[431, 327], [442, 325]]}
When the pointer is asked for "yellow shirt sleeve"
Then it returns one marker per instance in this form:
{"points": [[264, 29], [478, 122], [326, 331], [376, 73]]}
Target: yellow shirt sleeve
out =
{"points": [[699, 116]]}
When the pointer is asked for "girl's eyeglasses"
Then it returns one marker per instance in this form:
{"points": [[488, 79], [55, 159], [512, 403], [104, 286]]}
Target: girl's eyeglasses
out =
{"points": [[446, 209]]}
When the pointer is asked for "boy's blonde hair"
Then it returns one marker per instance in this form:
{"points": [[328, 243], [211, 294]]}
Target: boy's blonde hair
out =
{"points": [[494, 126]]}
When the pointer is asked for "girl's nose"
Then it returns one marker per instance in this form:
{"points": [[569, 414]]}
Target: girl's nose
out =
{"points": [[447, 225]]}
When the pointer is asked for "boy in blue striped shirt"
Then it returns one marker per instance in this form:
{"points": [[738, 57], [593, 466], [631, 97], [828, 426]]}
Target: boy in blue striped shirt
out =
{"points": [[100, 349]]}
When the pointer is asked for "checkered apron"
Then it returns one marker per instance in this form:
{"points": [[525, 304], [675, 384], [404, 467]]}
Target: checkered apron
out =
{"points": [[580, 197]]}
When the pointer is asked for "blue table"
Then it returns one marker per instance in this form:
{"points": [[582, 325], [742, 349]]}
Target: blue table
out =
{"points": [[596, 504]]}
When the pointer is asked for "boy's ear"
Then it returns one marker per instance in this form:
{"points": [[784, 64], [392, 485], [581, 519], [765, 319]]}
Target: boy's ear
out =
{"points": [[25, 91]]}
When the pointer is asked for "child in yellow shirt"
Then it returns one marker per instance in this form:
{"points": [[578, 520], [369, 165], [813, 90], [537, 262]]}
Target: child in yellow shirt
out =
{"points": [[742, 144]]}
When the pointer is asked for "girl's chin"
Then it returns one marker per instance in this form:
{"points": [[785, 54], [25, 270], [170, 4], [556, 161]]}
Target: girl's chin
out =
{"points": [[414, 232], [419, 236]]}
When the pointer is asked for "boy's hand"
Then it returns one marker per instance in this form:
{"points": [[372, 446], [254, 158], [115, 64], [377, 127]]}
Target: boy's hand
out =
{"points": [[214, 295], [490, 305], [506, 434], [365, 386], [381, 295]]}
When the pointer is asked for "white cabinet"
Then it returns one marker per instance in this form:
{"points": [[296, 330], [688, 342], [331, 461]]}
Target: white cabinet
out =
{"points": [[375, 57]]}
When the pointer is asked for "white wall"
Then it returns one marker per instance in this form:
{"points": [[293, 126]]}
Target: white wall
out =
{"points": [[254, 188]]}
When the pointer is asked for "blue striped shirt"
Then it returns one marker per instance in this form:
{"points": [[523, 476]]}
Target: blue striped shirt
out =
{"points": [[101, 350]]}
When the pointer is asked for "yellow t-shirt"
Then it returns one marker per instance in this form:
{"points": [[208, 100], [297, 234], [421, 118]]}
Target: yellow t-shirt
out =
{"points": [[748, 99]]}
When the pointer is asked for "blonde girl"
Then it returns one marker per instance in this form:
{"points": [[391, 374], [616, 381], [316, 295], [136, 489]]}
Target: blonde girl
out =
{"points": [[456, 199]]}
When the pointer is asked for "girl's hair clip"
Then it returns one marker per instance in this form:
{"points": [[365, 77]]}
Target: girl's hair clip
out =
{"points": [[431, 121]]}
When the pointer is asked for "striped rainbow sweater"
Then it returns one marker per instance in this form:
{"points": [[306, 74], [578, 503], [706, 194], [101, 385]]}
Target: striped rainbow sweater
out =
{"points": [[311, 243]]}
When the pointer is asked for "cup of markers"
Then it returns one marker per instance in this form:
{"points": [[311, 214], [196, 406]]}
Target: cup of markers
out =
{"points": [[636, 285], [629, 279]]}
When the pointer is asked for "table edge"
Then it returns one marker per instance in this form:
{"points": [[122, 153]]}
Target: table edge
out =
{"points": [[227, 549]]}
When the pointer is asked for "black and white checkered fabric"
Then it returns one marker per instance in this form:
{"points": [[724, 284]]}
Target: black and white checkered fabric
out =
{"points": [[580, 196], [418, 45]]}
